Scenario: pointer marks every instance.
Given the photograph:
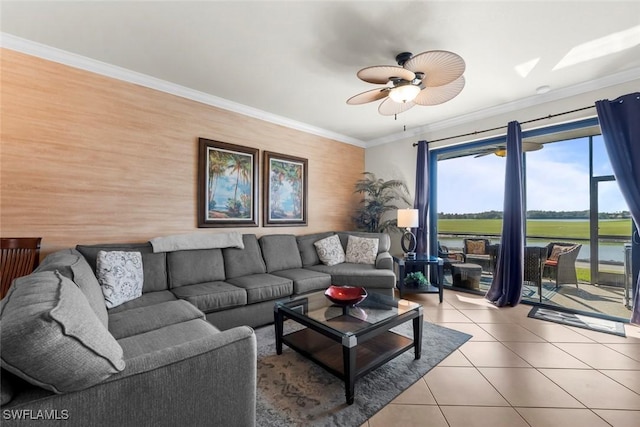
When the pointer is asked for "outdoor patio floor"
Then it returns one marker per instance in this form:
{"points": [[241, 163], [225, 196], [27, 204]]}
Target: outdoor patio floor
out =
{"points": [[601, 299]]}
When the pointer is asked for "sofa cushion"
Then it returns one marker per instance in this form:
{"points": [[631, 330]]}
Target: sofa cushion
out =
{"points": [[330, 251], [305, 280], [384, 241], [241, 262], [307, 250], [154, 265], [52, 338], [120, 276], [280, 252], [197, 266], [362, 250], [166, 337], [147, 299], [71, 264], [347, 274], [144, 319], [212, 296], [263, 287]]}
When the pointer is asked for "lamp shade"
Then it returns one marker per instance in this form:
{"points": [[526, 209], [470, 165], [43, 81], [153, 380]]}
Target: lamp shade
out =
{"points": [[408, 218]]}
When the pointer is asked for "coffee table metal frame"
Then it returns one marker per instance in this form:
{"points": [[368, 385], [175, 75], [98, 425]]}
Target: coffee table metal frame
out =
{"points": [[351, 341]]}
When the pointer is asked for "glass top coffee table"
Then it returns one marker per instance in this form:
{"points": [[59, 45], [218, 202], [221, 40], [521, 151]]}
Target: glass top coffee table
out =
{"points": [[348, 341]]}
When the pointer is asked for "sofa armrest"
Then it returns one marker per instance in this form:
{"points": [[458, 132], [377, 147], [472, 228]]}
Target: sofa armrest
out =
{"points": [[210, 381], [384, 260]]}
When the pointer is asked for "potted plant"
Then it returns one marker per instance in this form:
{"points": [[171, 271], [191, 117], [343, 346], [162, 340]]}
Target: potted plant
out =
{"points": [[380, 197], [415, 279]]}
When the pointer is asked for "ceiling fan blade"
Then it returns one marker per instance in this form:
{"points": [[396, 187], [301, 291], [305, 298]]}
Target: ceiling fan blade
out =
{"points": [[526, 147], [531, 146], [483, 154], [440, 67], [440, 94], [380, 74], [368, 96], [389, 107]]}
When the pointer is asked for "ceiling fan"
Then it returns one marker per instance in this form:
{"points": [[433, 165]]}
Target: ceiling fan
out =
{"points": [[428, 78], [501, 150]]}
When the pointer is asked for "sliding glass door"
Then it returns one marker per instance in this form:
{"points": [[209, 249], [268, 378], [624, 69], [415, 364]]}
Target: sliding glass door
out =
{"points": [[573, 208]]}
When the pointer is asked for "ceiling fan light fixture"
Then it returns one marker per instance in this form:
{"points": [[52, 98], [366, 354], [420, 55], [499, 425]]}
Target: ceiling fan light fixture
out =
{"points": [[500, 152], [404, 93], [429, 78]]}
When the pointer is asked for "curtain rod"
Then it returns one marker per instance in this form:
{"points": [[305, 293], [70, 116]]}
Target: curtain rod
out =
{"points": [[550, 116]]}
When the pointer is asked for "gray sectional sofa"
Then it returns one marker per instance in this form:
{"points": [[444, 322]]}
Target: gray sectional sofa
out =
{"points": [[182, 353]]}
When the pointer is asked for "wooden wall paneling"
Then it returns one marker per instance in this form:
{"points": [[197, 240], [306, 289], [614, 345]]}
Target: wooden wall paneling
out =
{"points": [[89, 159]]}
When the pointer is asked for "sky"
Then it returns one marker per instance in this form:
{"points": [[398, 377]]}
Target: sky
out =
{"points": [[226, 188], [557, 180]]}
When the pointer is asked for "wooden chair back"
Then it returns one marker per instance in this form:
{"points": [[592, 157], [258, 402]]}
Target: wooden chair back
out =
{"points": [[19, 257]]}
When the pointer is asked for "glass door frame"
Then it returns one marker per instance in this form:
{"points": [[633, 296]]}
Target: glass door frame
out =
{"points": [[435, 153], [594, 229]]}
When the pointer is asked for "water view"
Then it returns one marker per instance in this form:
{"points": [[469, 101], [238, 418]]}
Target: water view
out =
{"points": [[609, 252]]}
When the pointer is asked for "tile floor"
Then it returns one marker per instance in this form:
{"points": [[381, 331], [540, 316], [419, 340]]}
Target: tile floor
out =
{"points": [[517, 371]]}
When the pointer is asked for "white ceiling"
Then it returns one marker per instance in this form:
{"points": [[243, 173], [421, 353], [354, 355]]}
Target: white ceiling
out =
{"points": [[297, 60]]}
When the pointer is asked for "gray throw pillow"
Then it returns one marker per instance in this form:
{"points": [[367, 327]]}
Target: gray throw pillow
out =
{"points": [[120, 275], [51, 337], [330, 250], [70, 263]]}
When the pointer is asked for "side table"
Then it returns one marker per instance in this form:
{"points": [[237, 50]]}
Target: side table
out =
{"points": [[431, 266]]}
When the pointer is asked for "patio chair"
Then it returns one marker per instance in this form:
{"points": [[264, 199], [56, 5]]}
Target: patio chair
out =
{"points": [[19, 257], [477, 251], [449, 257], [561, 262], [534, 261]]}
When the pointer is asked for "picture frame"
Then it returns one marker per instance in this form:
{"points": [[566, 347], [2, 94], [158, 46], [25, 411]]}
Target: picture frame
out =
{"points": [[285, 190], [227, 185]]}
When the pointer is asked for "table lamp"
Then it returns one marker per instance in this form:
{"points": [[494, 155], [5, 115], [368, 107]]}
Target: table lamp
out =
{"points": [[408, 219]]}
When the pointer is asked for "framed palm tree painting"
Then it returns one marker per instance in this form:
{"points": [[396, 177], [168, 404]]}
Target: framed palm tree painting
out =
{"points": [[227, 185], [285, 190]]}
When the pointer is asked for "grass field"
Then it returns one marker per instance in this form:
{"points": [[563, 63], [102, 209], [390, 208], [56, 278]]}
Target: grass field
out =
{"points": [[539, 228]]}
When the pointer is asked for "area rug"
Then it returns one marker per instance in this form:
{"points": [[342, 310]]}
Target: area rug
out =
{"points": [[293, 391], [579, 321]]}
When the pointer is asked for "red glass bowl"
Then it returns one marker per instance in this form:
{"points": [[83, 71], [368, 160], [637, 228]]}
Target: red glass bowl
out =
{"points": [[345, 295]]}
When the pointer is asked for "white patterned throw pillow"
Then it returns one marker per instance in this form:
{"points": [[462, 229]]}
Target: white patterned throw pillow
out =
{"points": [[330, 250], [120, 276], [362, 250]]}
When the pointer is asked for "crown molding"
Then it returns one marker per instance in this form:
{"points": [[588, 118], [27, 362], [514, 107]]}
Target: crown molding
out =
{"points": [[40, 50], [43, 51], [531, 101]]}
